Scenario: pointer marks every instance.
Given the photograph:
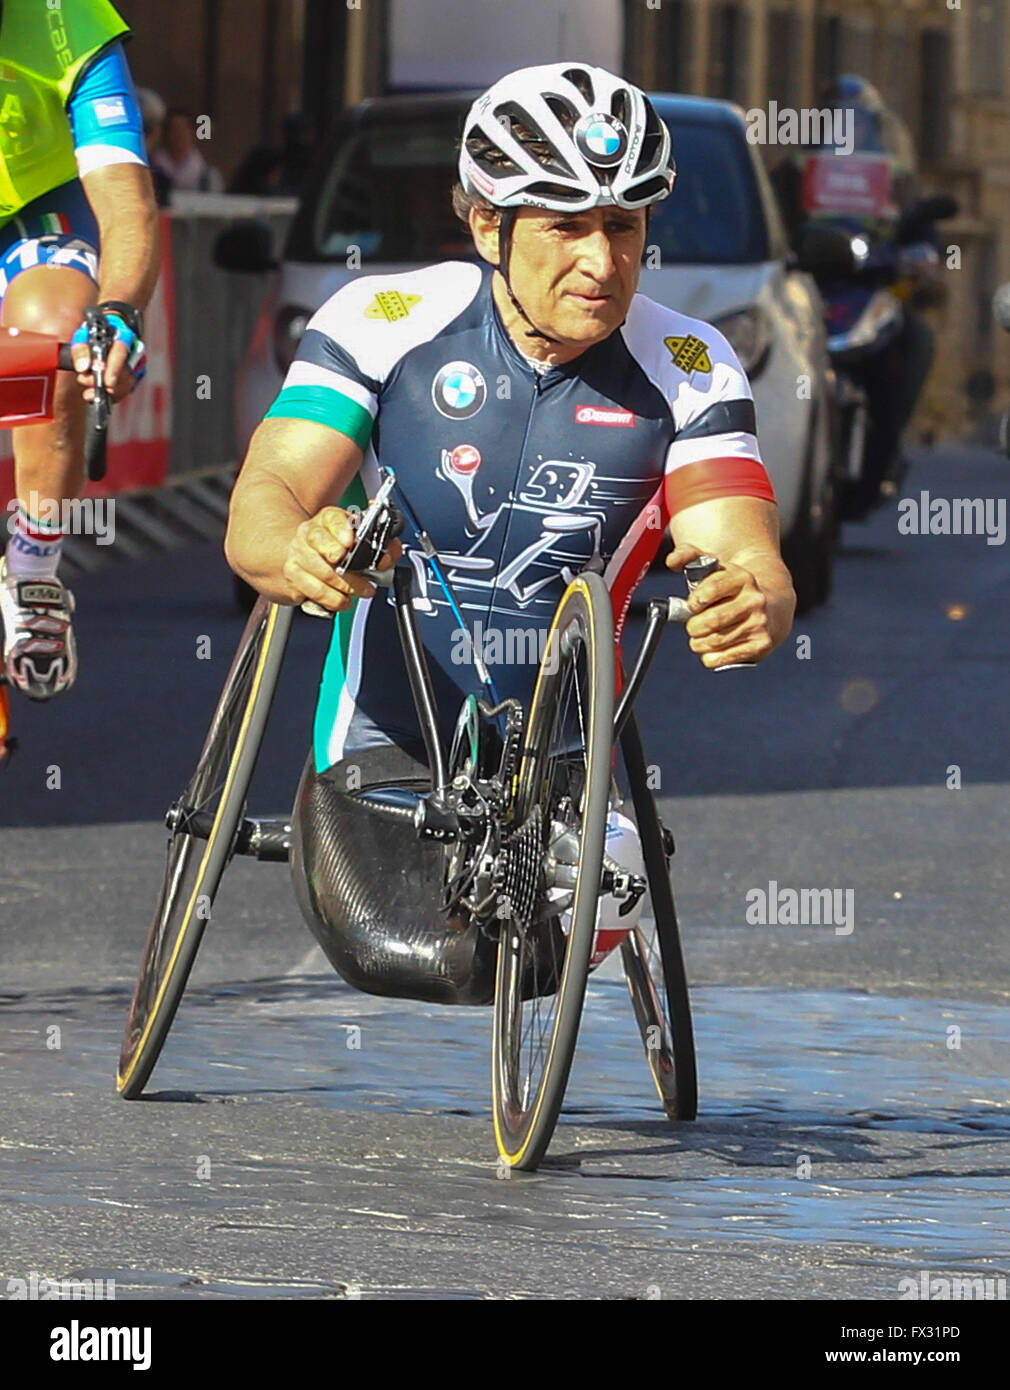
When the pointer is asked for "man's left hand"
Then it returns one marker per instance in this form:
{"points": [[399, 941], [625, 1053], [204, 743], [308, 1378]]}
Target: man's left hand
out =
{"points": [[731, 619]]}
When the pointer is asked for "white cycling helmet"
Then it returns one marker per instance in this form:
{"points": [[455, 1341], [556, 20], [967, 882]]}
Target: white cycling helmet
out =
{"points": [[599, 142]]}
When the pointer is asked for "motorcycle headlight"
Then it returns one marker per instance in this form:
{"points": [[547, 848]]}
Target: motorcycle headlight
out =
{"points": [[749, 334], [289, 326]]}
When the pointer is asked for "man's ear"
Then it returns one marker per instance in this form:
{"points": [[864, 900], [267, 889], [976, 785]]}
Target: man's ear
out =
{"points": [[484, 230]]}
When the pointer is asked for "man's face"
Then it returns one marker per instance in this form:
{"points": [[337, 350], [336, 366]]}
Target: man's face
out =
{"points": [[575, 273]]}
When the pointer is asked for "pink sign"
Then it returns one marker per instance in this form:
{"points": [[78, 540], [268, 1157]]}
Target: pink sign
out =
{"points": [[848, 185]]}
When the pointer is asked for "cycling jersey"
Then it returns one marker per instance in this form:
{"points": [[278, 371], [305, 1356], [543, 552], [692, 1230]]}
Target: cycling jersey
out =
{"points": [[104, 126], [522, 476], [44, 50]]}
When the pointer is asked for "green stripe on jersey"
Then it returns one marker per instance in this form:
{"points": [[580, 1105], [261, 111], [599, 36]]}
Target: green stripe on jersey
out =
{"points": [[335, 669], [328, 406]]}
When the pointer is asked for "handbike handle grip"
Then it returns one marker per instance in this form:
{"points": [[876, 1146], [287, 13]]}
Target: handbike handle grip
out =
{"points": [[695, 571], [380, 525]]}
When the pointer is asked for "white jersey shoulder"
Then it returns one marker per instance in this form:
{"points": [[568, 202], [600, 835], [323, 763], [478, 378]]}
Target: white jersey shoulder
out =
{"points": [[688, 360], [379, 318]]}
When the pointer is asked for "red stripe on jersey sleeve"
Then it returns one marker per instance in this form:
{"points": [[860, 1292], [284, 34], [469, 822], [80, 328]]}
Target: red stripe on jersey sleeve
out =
{"points": [[636, 565], [729, 477]]}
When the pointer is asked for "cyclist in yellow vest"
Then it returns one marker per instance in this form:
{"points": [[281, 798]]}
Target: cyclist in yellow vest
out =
{"points": [[78, 227]]}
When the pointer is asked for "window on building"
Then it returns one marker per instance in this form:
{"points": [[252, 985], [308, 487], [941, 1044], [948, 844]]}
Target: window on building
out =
{"points": [[934, 95], [986, 262], [785, 54], [894, 71], [729, 45], [856, 47], [988, 47], [676, 41], [827, 51]]}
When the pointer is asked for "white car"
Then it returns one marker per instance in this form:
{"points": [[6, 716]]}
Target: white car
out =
{"points": [[716, 250]]}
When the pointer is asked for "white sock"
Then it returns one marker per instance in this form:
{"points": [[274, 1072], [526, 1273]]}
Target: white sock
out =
{"points": [[33, 551]]}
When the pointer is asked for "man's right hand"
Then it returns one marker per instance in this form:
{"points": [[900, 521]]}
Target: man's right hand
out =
{"points": [[318, 546]]}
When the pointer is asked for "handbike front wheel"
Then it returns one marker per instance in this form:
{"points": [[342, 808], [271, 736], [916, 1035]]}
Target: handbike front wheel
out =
{"points": [[561, 806], [203, 824]]}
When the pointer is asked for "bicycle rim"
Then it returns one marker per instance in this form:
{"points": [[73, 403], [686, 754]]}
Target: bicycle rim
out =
{"points": [[564, 778], [195, 863]]}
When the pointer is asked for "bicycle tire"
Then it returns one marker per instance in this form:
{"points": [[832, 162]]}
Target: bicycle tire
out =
{"points": [[654, 960], [217, 788], [524, 1122]]}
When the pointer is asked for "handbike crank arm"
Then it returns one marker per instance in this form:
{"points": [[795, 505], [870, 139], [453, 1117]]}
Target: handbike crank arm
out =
{"points": [[266, 838], [382, 579], [659, 612]]}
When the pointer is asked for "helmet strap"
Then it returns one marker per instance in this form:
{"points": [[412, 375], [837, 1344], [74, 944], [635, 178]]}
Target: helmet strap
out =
{"points": [[506, 224]]}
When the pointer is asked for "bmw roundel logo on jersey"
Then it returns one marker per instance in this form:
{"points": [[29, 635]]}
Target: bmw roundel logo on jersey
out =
{"points": [[601, 138], [458, 390]]}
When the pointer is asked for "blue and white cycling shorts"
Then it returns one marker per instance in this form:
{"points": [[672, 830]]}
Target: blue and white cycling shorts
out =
{"points": [[58, 229]]}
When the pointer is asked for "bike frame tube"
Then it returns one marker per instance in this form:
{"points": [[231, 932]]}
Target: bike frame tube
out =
{"points": [[418, 674], [657, 618]]}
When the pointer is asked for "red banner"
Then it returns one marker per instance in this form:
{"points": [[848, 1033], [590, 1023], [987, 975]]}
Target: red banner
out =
{"points": [[140, 433], [847, 185]]}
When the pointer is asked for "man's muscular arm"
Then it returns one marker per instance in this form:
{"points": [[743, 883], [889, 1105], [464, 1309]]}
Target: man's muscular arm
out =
{"points": [[122, 199], [285, 531]]}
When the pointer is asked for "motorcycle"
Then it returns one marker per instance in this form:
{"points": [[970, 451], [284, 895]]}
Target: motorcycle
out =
{"points": [[881, 349]]}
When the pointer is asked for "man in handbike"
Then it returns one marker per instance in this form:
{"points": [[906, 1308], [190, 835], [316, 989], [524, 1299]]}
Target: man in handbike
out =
{"points": [[543, 418]]}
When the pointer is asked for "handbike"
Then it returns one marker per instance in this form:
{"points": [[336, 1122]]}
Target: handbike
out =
{"points": [[517, 806]]}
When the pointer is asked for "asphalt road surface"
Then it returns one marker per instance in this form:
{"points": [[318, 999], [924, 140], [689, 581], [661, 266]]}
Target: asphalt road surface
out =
{"points": [[302, 1140]]}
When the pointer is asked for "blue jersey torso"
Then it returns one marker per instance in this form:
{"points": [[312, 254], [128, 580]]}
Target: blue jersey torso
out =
{"points": [[522, 477]]}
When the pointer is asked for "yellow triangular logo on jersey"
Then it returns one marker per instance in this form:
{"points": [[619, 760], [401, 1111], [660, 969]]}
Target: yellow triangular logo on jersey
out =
{"points": [[391, 305], [690, 354]]}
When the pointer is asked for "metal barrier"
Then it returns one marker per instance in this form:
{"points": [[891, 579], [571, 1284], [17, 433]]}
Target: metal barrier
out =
{"points": [[215, 315]]}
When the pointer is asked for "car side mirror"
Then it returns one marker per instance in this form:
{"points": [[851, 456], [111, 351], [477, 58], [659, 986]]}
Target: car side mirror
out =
{"points": [[826, 253], [245, 246]]}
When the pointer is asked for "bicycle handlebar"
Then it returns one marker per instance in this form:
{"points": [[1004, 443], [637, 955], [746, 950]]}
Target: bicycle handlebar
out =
{"points": [[100, 339]]}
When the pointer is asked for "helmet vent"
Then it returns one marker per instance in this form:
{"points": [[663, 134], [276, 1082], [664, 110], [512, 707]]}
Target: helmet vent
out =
{"points": [[564, 111], [557, 192], [489, 157], [527, 133], [620, 108], [580, 80], [644, 192]]}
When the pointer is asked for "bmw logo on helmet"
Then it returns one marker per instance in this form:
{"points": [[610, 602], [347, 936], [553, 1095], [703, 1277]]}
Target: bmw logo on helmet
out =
{"points": [[458, 390], [601, 138]]}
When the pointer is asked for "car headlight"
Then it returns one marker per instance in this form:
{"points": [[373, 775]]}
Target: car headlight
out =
{"points": [[289, 326], [749, 334]]}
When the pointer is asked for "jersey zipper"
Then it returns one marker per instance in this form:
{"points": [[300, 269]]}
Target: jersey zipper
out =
{"points": [[513, 489]]}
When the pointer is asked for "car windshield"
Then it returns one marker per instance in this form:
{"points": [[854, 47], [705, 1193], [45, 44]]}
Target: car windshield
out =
{"points": [[386, 192], [714, 215]]}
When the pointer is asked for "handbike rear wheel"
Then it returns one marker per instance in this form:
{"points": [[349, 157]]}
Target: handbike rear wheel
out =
{"points": [[203, 826], [653, 960], [564, 780]]}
